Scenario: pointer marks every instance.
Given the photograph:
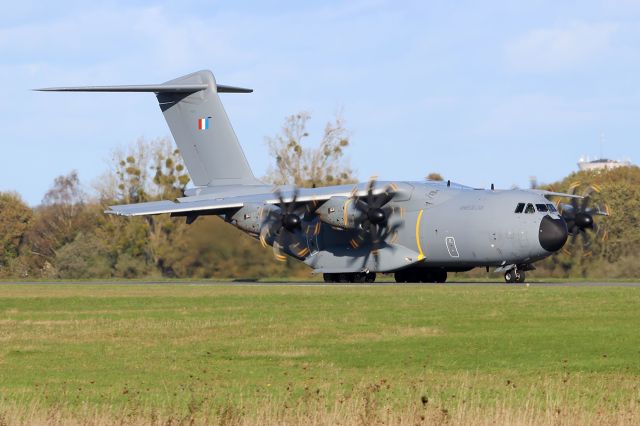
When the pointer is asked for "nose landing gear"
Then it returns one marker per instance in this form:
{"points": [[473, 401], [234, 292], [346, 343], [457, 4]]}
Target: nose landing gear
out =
{"points": [[514, 276]]}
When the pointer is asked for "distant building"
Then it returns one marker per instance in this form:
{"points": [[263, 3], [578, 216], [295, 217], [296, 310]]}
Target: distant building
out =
{"points": [[601, 164]]}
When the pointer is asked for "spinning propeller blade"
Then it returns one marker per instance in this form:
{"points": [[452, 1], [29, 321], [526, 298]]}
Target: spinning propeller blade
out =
{"points": [[286, 228], [579, 215], [373, 220]]}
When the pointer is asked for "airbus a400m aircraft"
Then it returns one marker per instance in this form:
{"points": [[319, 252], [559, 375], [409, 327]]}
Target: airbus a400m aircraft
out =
{"points": [[417, 230]]}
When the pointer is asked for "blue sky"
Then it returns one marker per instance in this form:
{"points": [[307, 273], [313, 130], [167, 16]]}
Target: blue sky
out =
{"points": [[482, 92]]}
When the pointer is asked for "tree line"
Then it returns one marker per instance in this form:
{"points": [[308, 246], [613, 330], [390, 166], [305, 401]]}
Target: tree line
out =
{"points": [[68, 236]]}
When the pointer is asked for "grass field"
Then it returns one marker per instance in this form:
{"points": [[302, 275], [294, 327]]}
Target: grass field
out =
{"points": [[236, 354]]}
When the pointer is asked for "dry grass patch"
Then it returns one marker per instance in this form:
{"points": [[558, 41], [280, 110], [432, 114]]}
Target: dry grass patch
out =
{"points": [[283, 353], [363, 406]]}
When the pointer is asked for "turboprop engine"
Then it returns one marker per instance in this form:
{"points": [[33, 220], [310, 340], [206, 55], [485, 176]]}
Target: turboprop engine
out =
{"points": [[340, 212], [251, 216]]}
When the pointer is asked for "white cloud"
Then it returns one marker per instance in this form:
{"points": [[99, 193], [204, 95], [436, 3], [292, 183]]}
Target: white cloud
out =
{"points": [[554, 49]]}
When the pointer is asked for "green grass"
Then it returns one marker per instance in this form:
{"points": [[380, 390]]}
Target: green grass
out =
{"points": [[189, 348]]}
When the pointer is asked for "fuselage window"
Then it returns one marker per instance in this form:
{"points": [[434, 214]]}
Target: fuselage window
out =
{"points": [[542, 208], [520, 208], [552, 208], [530, 208]]}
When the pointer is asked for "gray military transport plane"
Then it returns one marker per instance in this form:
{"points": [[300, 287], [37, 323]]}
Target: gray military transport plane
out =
{"points": [[417, 230]]}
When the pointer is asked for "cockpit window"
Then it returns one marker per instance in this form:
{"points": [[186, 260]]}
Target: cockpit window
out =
{"points": [[542, 208], [530, 209], [552, 208], [520, 208]]}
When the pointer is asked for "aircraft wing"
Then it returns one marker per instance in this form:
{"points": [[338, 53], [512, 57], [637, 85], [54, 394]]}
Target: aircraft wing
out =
{"points": [[218, 203], [207, 205]]}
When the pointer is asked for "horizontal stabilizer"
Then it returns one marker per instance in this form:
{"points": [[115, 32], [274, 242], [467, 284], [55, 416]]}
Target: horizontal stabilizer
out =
{"points": [[160, 207], [153, 88]]}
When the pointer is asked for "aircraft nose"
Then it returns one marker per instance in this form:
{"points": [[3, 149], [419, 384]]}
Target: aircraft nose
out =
{"points": [[553, 233]]}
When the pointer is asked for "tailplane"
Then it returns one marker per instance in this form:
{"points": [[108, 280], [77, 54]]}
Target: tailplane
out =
{"points": [[199, 125]]}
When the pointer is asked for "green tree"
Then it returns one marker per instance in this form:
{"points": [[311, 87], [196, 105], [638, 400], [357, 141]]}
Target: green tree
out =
{"points": [[435, 176], [87, 256], [145, 171], [61, 216], [301, 164], [612, 251], [15, 220]]}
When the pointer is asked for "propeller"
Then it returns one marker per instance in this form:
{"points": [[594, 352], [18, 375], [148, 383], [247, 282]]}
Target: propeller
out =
{"points": [[579, 215], [378, 243], [286, 227], [373, 221]]}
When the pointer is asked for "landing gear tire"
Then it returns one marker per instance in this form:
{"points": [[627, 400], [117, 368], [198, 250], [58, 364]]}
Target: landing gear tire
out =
{"points": [[401, 276], [510, 276], [426, 275], [440, 275], [358, 278], [514, 276], [407, 276], [344, 278], [329, 278]]}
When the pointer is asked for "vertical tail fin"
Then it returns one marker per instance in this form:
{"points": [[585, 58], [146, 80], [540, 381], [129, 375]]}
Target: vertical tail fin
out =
{"points": [[203, 133], [199, 125]]}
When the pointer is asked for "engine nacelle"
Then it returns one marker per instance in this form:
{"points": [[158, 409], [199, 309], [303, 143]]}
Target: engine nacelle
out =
{"points": [[339, 212], [251, 217]]}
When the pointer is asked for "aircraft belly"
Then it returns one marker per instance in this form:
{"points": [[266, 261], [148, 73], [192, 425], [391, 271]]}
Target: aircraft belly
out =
{"points": [[348, 259]]}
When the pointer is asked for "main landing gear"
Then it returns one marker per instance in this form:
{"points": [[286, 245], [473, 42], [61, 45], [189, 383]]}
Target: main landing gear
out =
{"points": [[353, 277], [421, 275], [514, 276]]}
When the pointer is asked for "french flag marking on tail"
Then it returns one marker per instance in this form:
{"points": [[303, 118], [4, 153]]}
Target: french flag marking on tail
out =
{"points": [[203, 123]]}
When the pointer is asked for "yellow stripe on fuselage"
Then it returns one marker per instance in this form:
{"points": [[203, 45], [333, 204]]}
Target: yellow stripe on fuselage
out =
{"points": [[344, 211], [420, 252]]}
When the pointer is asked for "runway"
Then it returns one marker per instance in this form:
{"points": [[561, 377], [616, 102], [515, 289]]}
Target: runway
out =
{"points": [[322, 284]]}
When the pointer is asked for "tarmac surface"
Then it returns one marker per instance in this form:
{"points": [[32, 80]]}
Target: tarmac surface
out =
{"points": [[322, 284]]}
